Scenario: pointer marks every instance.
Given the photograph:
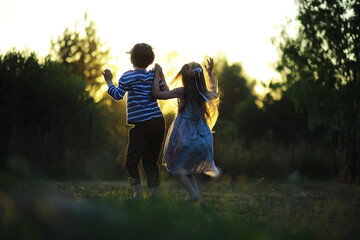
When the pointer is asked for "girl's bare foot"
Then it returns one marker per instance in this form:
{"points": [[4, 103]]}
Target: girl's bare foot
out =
{"points": [[193, 198]]}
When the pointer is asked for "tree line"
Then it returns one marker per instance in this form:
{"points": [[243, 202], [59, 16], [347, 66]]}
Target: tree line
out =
{"points": [[307, 124]]}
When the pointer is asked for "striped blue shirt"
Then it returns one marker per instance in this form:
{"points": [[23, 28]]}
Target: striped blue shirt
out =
{"points": [[141, 106]]}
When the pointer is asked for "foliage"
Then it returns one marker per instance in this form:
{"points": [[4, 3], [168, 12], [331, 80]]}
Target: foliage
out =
{"points": [[234, 86], [266, 158], [273, 141], [85, 54], [321, 69], [50, 125]]}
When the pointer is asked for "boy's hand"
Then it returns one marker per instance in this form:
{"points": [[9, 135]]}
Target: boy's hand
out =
{"points": [[108, 75]]}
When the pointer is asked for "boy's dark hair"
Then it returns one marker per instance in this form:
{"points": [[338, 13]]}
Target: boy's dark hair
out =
{"points": [[142, 55]]}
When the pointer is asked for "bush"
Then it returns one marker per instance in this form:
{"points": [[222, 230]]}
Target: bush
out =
{"points": [[264, 158], [50, 124]]}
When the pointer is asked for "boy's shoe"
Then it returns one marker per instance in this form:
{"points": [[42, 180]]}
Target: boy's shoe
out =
{"points": [[138, 192], [137, 197]]}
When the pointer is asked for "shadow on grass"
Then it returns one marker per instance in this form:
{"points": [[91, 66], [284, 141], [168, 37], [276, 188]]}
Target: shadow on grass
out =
{"points": [[56, 217], [103, 210]]}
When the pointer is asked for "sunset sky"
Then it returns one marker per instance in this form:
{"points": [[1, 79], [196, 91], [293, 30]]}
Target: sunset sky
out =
{"points": [[240, 29]]}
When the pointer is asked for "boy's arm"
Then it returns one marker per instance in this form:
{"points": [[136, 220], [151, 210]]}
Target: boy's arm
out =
{"points": [[117, 93], [108, 77]]}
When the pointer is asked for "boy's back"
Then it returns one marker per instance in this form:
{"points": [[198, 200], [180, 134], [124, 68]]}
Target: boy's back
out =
{"points": [[141, 106]]}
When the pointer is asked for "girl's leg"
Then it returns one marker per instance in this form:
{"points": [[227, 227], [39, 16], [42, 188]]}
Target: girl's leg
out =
{"points": [[195, 184], [186, 183]]}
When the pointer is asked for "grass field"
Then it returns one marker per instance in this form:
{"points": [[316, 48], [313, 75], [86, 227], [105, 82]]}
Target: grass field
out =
{"points": [[251, 210]]}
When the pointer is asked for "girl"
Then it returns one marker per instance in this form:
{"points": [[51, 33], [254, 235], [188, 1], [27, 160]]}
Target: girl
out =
{"points": [[189, 145]]}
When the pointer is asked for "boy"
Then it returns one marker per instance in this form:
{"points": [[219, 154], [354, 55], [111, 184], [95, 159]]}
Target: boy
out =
{"points": [[146, 137]]}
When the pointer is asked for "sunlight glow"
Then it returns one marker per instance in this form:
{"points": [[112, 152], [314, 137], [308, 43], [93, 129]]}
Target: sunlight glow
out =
{"points": [[180, 31]]}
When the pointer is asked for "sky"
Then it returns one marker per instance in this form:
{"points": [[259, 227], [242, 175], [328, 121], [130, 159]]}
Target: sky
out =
{"points": [[241, 29]]}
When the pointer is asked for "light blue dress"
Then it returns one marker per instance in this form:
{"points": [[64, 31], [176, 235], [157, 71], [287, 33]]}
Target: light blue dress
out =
{"points": [[189, 144]]}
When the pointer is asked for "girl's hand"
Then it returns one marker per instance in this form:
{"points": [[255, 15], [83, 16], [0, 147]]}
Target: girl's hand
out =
{"points": [[107, 75], [210, 66], [213, 94], [160, 74], [158, 69]]}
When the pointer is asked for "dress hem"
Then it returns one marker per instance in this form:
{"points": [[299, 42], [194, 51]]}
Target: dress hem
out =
{"points": [[208, 173]]}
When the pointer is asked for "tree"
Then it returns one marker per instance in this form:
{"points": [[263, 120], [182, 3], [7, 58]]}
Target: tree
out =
{"points": [[234, 86], [321, 72], [44, 121], [84, 54]]}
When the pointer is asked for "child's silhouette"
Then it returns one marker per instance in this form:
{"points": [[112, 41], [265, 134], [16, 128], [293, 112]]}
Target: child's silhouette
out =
{"points": [[189, 145], [146, 137]]}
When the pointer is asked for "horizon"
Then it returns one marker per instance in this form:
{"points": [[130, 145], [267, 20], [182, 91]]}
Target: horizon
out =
{"points": [[118, 29]]}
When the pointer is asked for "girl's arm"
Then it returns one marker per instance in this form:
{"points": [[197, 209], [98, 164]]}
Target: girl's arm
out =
{"points": [[162, 77], [214, 92], [175, 93]]}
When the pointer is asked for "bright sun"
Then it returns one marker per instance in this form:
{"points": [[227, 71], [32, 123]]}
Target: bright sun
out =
{"points": [[180, 31]]}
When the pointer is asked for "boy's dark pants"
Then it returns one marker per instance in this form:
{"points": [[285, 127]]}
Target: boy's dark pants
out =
{"points": [[145, 142]]}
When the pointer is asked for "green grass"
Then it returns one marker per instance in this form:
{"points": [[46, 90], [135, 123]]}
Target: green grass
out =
{"points": [[252, 210]]}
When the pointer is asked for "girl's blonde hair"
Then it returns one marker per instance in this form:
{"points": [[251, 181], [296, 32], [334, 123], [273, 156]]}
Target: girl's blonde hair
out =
{"points": [[198, 87]]}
